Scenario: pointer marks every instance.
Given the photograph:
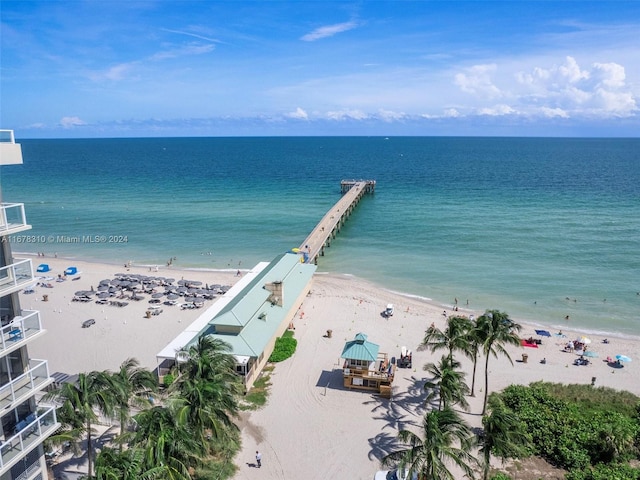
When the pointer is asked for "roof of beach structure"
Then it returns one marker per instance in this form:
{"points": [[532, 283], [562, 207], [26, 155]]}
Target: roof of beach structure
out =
{"points": [[247, 317], [360, 349]]}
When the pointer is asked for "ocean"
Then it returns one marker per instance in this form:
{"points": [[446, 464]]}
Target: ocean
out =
{"points": [[540, 228]]}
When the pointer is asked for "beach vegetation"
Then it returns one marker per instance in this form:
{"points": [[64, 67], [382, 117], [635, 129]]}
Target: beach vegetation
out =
{"points": [[167, 380], [504, 435], [188, 433], [445, 439], [591, 443], [79, 402], [259, 393], [284, 348], [133, 387], [447, 383], [452, 338], [495, 331]]}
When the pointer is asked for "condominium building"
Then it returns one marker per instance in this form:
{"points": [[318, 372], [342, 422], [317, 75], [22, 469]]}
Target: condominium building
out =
{"points": [[25, 424]]}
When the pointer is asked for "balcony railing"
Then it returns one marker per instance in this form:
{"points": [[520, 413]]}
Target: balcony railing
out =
{"points": [[26, 385], [20, 331], [12, 218], [10, 151], [30, 432], [16, 276]]}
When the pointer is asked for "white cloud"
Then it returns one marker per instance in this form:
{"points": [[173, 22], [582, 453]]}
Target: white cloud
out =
{"points": [[347, 115], [328, 31], [390, 116], [553, 112], [300, 114], [497, 110], [115, 73], [609, 74], [599, 90], [477, 81], [70, 122]]}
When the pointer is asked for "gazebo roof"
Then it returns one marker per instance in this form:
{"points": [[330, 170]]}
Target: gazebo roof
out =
{"points": [[360, 349]]}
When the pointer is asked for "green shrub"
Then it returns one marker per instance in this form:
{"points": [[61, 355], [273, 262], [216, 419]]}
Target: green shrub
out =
{"points": [[285, 347], [168, 380], [500, 476]]}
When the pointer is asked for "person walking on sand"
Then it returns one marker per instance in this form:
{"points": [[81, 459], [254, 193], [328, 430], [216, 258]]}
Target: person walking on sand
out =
{"points": [[258, 458]]}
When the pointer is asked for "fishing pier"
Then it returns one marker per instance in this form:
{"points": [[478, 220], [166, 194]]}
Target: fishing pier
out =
{"points": [[326, 230]]}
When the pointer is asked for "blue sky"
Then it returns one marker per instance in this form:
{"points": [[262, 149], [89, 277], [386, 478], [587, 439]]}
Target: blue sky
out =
{"points": [[205, 68]]}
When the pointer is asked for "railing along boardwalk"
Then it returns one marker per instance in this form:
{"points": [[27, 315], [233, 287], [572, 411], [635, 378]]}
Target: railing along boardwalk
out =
{"points": [[326, 230]]}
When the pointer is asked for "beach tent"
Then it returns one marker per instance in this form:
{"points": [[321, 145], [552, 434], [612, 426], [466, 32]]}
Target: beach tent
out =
{"points": [[71, 271], [43, 267]]}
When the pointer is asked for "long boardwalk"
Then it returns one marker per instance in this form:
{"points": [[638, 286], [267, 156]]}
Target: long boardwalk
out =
{"points": [[326, 230]]}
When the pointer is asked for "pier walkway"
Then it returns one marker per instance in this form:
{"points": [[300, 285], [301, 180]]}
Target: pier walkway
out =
{"points": [[326, 230]]}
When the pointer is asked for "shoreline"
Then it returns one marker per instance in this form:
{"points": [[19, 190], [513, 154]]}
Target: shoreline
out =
{"points": [[410, 296]]}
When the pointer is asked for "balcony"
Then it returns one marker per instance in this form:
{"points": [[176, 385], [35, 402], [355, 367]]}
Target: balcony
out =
{"points": [[20, 331], [36, 378], [30, 432], [16, 276], [12, 218], [10, 151]]}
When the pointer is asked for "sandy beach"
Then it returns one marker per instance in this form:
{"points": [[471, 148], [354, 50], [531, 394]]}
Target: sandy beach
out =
{"points": [[312, 427]]}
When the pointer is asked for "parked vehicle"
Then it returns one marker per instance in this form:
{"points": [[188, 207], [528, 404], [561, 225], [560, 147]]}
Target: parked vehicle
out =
{"points": [[388, 312]]}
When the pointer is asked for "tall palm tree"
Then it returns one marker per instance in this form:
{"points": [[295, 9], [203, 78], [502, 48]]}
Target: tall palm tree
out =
{"points": [[80, 400], [447, 439], [474, 344], [504, 434], [452, 338], [132, 385], [447, 384], [205, 393], [496, 330]]}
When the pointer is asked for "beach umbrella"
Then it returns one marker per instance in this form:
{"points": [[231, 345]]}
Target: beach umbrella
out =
{"points": [[590, 353], [173, 296], [585, 340], [543, 333], [196, 283], [157, 295], [623, 358], [104, 295]]}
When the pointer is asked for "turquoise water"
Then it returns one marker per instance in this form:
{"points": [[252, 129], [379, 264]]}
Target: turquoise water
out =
{"points": [[510, 223]]}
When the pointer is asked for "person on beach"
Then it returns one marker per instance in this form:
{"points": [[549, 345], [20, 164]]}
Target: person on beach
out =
{"points": [[258, 459]]}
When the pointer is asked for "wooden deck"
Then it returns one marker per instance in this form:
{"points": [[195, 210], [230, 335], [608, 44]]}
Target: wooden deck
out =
{"points": [[326, 230]]}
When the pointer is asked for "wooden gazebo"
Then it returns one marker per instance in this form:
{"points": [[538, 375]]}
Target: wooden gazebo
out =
{"points": [[365, 367]]}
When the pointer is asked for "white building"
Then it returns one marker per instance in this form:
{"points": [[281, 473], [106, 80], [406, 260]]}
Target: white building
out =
{"points": [[25, 424]]}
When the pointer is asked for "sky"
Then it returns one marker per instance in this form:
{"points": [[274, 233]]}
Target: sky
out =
{"points": [[111, 68]]}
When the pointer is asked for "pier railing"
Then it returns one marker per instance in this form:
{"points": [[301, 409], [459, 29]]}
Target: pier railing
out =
{"points": [[326, 230]]}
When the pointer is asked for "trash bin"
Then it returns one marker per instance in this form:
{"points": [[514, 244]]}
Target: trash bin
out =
{"points": [[329, 333], [525, 357], [45, 298]]}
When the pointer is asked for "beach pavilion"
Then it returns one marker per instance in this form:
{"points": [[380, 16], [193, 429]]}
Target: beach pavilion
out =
{"points": [[365, 367], [250, 316]]}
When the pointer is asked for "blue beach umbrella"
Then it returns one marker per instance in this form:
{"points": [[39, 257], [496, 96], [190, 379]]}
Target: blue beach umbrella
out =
{"points": [[623, 358]]}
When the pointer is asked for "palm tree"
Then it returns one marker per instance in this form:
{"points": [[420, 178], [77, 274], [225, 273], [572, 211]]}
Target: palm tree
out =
{"points": [[132, 386], [474, 344], [495, 330], [504, 434], [80, 400], [130, 465], [452, 338], [204, 394], [428, 457], [448, 383], [165, 443]]}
